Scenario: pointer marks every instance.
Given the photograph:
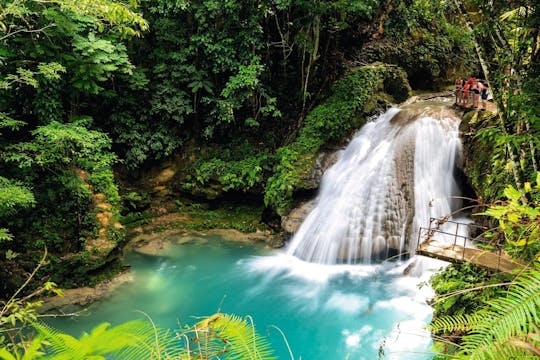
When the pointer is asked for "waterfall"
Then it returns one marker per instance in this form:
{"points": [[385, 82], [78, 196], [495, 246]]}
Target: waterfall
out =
{"points": [[396, 173]]}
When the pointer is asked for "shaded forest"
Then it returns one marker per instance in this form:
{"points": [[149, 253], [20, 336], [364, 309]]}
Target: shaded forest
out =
{"points": [[242, 96]]}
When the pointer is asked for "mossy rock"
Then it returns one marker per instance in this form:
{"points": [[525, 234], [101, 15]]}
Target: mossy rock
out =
{"points": [[486, 175], [362, 92]]}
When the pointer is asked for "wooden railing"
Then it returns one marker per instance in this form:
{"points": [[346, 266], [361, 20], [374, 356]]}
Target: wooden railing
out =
{"points": [[455, 247]]}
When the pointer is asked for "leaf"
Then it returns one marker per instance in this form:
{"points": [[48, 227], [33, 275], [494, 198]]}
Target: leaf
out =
{"points": [[512, 193], [10, 254]]}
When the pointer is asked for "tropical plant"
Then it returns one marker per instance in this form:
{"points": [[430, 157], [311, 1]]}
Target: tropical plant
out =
{"points": [[506, 328], [217, 336], [519, 220], [507, 34]]}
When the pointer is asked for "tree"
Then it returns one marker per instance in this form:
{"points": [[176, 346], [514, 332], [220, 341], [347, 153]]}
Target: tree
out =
{"points": [[54, 54], [507, 34]]}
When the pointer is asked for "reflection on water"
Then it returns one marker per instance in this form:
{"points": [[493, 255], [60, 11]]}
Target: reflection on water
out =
{"points": [[326, 312]]}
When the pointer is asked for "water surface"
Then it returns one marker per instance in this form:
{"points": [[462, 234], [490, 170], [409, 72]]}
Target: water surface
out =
{"points": [[326, 311]]}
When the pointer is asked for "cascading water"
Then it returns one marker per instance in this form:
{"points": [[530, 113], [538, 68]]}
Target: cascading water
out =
{"points": [[395, 174]]}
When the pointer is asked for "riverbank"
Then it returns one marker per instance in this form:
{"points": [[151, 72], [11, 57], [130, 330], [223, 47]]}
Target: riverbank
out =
{"points": [[153, 239]]}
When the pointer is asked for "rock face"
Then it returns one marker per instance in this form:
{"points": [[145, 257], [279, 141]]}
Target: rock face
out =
{"points": [[291, 222], [325, 160], [477, 157]]}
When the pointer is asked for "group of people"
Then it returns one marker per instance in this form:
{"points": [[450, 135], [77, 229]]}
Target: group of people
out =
{"points": [[471, 91]]}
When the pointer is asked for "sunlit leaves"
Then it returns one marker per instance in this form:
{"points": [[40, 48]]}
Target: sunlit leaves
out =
{"points": [[96, 60], [57, 145], [7, 122], [5, 235], [519, 220], [108, 13], [14, 196], [51, 70]]}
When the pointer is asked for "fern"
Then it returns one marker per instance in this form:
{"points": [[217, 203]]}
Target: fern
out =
{"points": [[131, 340], [219, 336], [243, 341], [493, 330], [448, 324], [231, 336]]}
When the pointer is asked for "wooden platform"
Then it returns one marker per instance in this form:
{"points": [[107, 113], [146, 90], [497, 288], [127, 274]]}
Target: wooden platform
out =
{"points": [[458, 254]]}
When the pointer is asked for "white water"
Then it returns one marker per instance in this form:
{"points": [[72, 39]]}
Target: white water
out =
{"points": [[395, 174], [381, 189]]}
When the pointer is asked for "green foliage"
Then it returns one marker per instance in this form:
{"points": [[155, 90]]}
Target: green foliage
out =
{"points": [[131, 340], [241, 338], [9, 123], [17, 312], [507, 33], [13, 196], [487, 151], [72, 24], [429, 51], [519, 220], [493, 330], [329, 122], [106, 13], [218, 71], [49, 71], [95, 60], [217, 336], [244, 218], [5, 236], [242, 175], [451, 286], [56, 145]]}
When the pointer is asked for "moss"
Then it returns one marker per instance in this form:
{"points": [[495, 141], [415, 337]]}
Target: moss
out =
{"points": [[244, 218], [243, 168], [485, 163], [353, 98], [220, 170]]}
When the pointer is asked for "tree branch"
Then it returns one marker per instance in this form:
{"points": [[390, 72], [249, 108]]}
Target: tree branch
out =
{"points": [[26, 31]]}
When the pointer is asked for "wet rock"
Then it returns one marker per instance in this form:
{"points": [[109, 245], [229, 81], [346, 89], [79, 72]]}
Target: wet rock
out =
{"points": [[325, 160], [291, 222]]}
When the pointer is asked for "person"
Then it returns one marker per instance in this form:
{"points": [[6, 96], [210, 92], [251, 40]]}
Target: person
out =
{"points": [[465, 92], [459, 86], [476, 93], [484, 94]]}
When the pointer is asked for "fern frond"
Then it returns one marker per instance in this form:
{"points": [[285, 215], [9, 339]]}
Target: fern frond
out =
{"points": [[448, 324], [59, 343], [147, 341], [132, 340], [6, 355], [531, 344], [241, 339], [515, 315]]}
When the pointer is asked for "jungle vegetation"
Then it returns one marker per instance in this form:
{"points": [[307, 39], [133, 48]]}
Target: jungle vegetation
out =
{"points": [[94, 94]]}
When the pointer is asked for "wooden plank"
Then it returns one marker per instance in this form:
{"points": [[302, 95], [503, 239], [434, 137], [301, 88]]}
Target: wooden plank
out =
{"points": [[457, 254]]}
